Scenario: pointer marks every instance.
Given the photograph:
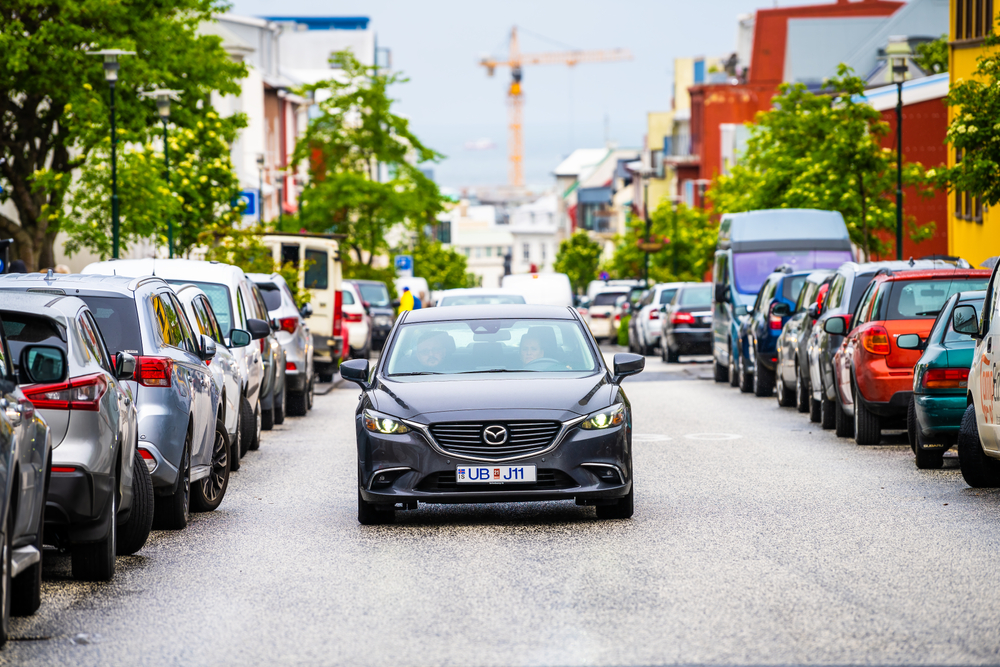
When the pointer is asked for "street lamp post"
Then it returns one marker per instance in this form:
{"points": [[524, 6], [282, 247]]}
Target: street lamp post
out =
{"points": [[260, 190], [645, 212], [673, 238], [163, 98], [898, 52], [111, 67]]}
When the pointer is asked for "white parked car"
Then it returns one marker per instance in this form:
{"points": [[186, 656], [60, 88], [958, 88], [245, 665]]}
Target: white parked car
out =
{"points": [[601, 314], [645, 325], [357, 320], [479, 296]]}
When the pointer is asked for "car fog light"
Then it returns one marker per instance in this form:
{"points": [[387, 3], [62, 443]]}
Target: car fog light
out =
{"points": [[379, 423], [606, 418], [605, 473]]}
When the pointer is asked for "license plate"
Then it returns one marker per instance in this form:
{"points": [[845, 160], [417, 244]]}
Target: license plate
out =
{"points": [[706, 320], [493, 474]]}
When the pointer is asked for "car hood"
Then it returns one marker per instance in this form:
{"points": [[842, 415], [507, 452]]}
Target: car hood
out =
{"points": [[538, 397]]}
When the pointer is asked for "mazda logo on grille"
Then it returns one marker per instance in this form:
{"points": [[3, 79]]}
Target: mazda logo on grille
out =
{"points": [[495, 435]]}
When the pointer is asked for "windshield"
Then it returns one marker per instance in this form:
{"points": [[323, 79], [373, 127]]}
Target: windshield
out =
{"points": [[491, 346], [375, 294], [119, 322], [696, 296], [607, 298], [218, 296], [480, 299], [751, 269], [923, 299]]}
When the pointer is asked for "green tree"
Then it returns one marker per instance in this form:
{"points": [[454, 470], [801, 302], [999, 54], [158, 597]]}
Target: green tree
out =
{"points": [[443, 268], [362, 161], [933, 56], [687, 255], [824, 152], [53, 96], [245, 249], [578, 257]]}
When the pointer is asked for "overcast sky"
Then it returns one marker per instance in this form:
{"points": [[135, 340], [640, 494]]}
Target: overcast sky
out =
{"points": [[451, 100]]}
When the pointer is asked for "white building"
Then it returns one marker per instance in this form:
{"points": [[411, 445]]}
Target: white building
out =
{"points": [[474, 232], [535, 231]]}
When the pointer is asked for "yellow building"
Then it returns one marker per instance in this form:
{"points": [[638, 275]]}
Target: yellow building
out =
{"points": [[973, 231]]}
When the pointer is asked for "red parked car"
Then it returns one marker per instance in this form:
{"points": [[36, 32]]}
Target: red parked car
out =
{"points": [[875, 376]]}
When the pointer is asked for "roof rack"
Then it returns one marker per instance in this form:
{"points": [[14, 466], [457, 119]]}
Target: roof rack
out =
{"points": [[885, 270]]}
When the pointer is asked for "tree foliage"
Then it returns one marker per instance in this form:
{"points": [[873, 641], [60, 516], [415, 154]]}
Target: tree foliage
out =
{"points": [[362, 161], [443, 268], [578, 257], [823, 152], [692, 238], [54, 99], [933, 56], [245, 249]]}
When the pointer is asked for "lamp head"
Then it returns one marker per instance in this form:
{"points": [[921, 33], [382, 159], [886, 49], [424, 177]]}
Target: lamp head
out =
{"points": [[163, 97], [260, 161], [898, 53], [111, 64]]}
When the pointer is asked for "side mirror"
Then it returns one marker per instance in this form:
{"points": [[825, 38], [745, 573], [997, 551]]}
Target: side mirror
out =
{"points": [[367, 306], [781, 309], [836, 325], [275, 324], [306, 311], [239, 338], [627, 364], [395, 303], [258, 328], [124, 366], [356, 371], [813, 311], [207, 348], [909, 342], [964, 320], [43, 364]]}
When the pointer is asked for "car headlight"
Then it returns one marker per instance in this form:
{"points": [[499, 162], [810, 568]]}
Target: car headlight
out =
{"points": [[376, 422], [605, 418], [383, 321]]}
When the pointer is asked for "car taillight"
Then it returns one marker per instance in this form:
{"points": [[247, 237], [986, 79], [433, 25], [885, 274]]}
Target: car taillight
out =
{"points": [[352, 317], [946, 378], [654, 314], [148, 459], [289, 324], [682, 318], [876, 340], [153, 371], [81, 393], [291, 366], [774, 322]]}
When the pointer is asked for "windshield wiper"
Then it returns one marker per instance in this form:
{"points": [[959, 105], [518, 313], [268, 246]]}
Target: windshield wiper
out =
{"points": [[496, 370], [396, 375]]}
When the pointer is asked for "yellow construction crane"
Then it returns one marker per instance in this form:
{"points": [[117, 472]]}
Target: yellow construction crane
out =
{"points": [[515, 60]]}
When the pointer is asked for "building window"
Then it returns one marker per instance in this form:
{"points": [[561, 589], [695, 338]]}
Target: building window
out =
{"points": [[444, 231], [973, 18], [479, 252], [489, 251], [543, 252], [527, 251]]}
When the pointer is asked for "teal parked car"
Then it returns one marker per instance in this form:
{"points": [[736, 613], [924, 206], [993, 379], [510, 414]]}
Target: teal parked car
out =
{"points": [[940, 383]]}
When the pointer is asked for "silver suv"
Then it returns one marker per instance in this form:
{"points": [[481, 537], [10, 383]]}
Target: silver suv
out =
{"points": [[293, 335], [100, 502]]}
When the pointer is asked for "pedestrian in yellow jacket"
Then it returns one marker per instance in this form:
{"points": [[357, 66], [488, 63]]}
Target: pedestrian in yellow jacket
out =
{"points": [[405, 300]]}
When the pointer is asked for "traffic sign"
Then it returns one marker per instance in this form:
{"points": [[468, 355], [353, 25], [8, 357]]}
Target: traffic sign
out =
{"points": [[249, 198], [404, 265]]}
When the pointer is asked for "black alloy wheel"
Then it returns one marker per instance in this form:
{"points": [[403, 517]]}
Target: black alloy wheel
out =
{"points": [[209, 492]]}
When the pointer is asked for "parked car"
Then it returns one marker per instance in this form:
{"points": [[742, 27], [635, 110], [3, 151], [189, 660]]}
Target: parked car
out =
{"points": [[644, 327], [476, 296], [793, 361], [228, 377], [357, 320], [687, 322], [600, 317], [25, 475], [175, 396], [231, 294], [623, 285], [100, 496], [376, 295], [750, 245], [940, 382], [295, 338], [273, 394], [874, 375], [558, 429], [758, 336]]}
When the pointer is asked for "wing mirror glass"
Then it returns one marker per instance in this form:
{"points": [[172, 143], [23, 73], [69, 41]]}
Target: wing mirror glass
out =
{"points": [[258, 328], [356, 371], [124, 366], [909, 342], [964, 320], [44, 364], [781, 310], [239, 338], [836, 326], [626, 364], [740, 311]]}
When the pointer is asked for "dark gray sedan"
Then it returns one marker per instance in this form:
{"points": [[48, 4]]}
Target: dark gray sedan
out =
{"points": [[480, 404]]}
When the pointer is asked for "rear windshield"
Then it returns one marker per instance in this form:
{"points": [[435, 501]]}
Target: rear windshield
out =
{"points": [[791, 286], [271, 294], [607, 298], [375, 294], [666, 296], [119, 322], [218, 296], [751, 269], [696, 296], [923, 299]]}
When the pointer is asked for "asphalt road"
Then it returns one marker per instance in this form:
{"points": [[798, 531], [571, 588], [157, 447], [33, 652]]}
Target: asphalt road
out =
{"points": [[757, 539]]}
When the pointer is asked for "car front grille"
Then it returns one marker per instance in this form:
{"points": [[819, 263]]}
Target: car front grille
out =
{"points": [[523, 438], [545, 480]]}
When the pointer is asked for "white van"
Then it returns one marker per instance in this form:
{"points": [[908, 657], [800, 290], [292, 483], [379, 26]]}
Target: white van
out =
{"points": [[418, 286], [322, 278], [550, 289]]}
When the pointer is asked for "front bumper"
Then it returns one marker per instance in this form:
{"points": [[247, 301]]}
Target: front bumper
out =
{"points": [[412, 470]]}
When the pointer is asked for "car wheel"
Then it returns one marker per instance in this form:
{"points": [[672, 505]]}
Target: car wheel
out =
{"points": [[843, 423], [763, 381], [978, 470], [247, 421], [786, 396], [673, 356], [664, 355], [267, 416], [911, 425], [734, 369], [721, 372], [6, 567], [623, 509], [867, 430], [297, 404], [827, 414], [815, 410], [236, 445], [135, 531], [208, 493], [171, 511], [746, 377], [26, 590], [96, 561], [280, 407], [803, 399], [258, 425]]}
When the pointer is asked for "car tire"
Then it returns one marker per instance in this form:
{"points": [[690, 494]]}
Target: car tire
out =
{"points": [[803, 395], [6, 566], [235, 445], [369, 514], [96, 561], [815, 410], [664, 353], [247, 425], [911, 425], [328, 377], [132, 535], [623, 509], [207, 493], [267, 416], [673, 356], [281, 407], [297, 404], [843, 423], [827, 414], [978, 470], [258, 426], [867, 429], [721, 372], [786, 396], [26, 590], [746, 377], [171, 511], [763, 381], [734, 369]]}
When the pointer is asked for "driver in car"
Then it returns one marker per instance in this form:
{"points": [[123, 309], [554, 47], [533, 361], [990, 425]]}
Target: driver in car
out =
{"points": [[531, 348], [433, 350]]}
